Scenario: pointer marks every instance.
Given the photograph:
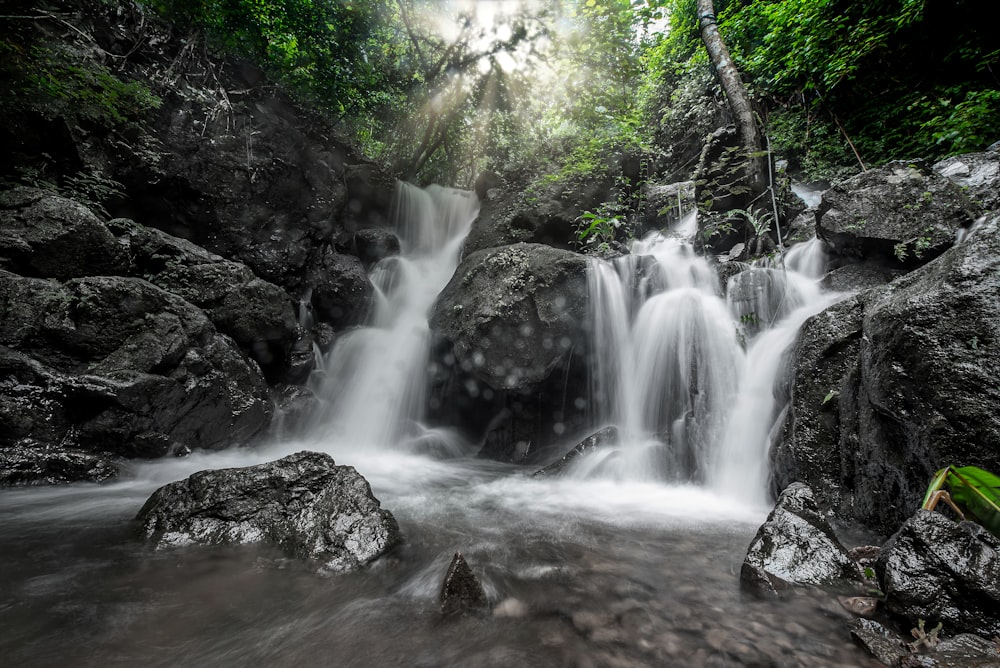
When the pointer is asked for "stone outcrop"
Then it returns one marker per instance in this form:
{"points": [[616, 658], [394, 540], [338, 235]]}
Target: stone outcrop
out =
{"points": [[901, 214], [53, 237], [797, 547], [303, 504], [893, 384], [115, 364], [512, 346]]}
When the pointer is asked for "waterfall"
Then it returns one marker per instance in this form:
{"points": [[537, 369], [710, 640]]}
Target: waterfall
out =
{"points": [[694, 380], [374, 386]]}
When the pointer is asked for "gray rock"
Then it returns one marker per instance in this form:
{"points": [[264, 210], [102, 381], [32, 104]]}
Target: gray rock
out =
{"points": [[30, 462], [797, 547], [939, 570], [258, 315], [900, 214], [882, 643], [547, 216], [599, 439], [896, 382], [303, 503], [511, 329], [375, 244], [113, 364], [461, 590], [341, 291], [48, 236], [978, 174]]}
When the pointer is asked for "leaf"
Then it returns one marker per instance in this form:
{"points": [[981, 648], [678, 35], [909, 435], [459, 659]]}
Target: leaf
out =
{"points": [[830, 395], [974, 490], [978, 491]]}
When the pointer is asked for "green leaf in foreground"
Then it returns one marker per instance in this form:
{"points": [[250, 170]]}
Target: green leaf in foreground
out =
{"points": [[971, 491]]}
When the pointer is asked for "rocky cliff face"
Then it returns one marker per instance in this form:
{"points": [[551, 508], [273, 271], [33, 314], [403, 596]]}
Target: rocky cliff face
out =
{"points": [[897, 381], [157, 238]]}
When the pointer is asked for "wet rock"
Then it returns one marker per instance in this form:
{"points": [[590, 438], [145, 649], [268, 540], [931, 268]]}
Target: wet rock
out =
{"points": [[977, 174], [665, 203], [30, 462], [258, 315], [461, 590], [376, 244], [341, 291], [302, 503], [48, 236], [369, 197], [510, 352], [939, 570], [895, 382], [964, 651], [796, 546], [603, 438], [882, 643], [548, 216], [859, 277], [900, 214], [114, 364]]}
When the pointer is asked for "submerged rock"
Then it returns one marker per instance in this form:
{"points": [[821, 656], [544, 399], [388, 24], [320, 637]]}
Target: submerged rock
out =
{"points": [[796, 546], [939, 570], [303, 503], [461, 590], [599, 439]]}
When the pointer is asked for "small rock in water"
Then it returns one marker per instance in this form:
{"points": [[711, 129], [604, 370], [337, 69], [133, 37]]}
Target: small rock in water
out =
{"points": [[461, 590]]}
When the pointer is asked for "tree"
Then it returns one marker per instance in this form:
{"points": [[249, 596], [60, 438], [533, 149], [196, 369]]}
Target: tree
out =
{"points": [[736, 94]]}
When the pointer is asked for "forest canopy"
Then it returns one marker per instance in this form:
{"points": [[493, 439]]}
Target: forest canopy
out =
{"points": [[443, 89]]}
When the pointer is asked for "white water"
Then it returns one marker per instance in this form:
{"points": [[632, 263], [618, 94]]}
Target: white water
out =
{"points": [[694, 379], [374, 385]]}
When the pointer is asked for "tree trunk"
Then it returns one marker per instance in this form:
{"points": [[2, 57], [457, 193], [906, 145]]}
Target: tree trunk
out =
{"points": [[736, 94]]}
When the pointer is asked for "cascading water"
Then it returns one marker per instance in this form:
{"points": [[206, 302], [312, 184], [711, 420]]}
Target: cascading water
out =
{"points": [[691, 379], [374, 385]]}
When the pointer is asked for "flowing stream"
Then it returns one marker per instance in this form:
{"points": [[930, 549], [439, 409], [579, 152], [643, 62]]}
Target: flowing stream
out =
{"points": [[632, 561]]}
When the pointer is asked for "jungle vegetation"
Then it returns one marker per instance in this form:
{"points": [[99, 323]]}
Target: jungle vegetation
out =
{"points": [[440, 90]]}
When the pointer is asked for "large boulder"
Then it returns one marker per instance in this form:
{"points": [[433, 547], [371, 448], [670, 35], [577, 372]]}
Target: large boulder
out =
{"points": [[511, 324], [114, 364], [900, 214], [897, 382], [304, 504], [797, 547], [939, 570], [48, 236]]}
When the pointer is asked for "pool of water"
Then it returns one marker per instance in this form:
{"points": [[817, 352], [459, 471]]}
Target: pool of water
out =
{"points": [[578, 573]]}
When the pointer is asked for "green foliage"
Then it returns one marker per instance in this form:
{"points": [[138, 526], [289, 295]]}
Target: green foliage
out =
{"points": [[55, 80], [974, 491], [330, 51]]}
